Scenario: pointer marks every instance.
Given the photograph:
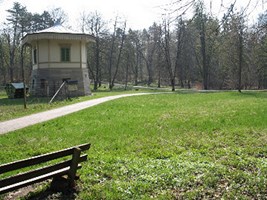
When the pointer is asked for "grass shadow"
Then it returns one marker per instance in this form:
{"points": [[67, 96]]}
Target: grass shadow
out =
{"points": [[8, 102], [20, 101], [256, 94], [48, 193]]}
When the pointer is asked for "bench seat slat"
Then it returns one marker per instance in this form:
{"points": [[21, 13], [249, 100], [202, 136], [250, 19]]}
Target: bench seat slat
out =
{"points": [[37, 172], [40, 159], [18, 185]]}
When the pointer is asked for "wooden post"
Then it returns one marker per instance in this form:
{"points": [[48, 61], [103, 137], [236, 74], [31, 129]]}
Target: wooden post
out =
{"points": [[23, 77], [74, 166]]}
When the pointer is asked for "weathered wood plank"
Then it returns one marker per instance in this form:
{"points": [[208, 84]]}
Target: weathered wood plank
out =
{"points": [[40, 159], [38, 172], [33, 180]]}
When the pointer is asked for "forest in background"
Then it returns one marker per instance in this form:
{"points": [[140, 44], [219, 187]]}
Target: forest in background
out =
{"points": [[203, 52]]}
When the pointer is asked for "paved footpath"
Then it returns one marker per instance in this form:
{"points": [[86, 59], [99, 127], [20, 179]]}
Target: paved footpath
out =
{"points": [[15, 124]]}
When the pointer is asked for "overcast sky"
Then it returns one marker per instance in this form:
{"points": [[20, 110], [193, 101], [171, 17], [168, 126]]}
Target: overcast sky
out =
{"points": [[138, 13]]}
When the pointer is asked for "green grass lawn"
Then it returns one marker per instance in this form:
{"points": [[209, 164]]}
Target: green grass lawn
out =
{"points": [[164, 146], [13, 108]]}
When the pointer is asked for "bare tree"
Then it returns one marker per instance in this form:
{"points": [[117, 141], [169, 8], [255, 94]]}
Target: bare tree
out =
{"points": [[201, 20], [166, 45], [180, 42], [134, 38], [149, 49], [261, 53], [58, 15], [115, 51], [96, 26], [241, 50]]}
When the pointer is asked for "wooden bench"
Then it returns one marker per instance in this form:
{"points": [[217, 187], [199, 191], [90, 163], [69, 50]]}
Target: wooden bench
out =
{"points": [[61, 168]]}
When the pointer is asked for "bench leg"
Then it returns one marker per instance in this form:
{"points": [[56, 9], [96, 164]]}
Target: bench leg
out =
{"points": [[74, 166], [62, 183]]}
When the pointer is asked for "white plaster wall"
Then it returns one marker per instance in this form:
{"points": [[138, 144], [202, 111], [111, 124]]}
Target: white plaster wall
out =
{"points": [[75, 52], [43, 51], [48, 54], [55, 46], [54, 51]]}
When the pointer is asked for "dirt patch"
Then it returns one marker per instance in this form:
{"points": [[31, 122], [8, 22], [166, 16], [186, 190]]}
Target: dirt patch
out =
{"points": [[41, 191], [22, 192]]}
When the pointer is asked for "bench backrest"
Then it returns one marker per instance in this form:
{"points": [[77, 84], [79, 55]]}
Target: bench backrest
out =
{"points": [[67, 167]]}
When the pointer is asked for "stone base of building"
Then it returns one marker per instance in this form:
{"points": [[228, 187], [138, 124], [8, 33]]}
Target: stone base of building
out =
{"points": [[46, 82]]}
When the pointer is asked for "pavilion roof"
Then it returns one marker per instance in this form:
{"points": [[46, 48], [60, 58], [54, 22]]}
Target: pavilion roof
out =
{"points": [[57, 32], [58, 28]]}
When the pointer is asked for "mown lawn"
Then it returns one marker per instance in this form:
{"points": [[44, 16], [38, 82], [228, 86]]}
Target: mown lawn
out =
{"points": [[163, 146], [13, 108]]}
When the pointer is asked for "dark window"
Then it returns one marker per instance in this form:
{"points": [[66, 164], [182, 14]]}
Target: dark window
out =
{"points": [[42, 83], [33, 83], [34, 56], [65, 54]]}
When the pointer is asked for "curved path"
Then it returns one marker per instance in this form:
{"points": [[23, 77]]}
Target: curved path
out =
{"points": [[15, 124]]}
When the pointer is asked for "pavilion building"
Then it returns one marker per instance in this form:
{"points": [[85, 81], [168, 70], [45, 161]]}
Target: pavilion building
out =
{"points": [[59, 55]]}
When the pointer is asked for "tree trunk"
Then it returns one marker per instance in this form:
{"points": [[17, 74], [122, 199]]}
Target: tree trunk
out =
{"points": [[204, 58], [111, 63], [121, 45], [159, 78], [127, 73], [97, 57], [173, 84], [95, 85], [240, 60]]}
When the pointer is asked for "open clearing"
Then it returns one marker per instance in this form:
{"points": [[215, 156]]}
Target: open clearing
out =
{"points": [[22, 122], [164, 146]]}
